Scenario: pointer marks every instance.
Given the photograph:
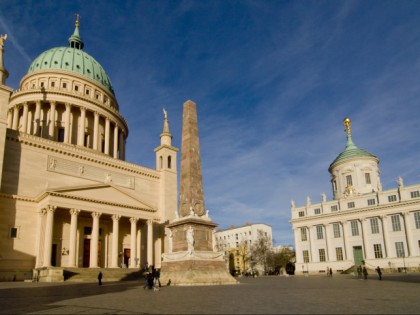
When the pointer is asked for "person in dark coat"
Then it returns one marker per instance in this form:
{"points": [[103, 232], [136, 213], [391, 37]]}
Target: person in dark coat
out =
{"points": [[365, 273], [100, 278], [379, 271]]}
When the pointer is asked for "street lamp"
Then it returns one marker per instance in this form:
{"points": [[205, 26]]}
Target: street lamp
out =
{"points": [[403, 257]]}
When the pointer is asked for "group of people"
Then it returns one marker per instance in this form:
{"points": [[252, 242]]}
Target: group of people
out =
{"points": [[329, 272], [362, 273], [152, 276]]}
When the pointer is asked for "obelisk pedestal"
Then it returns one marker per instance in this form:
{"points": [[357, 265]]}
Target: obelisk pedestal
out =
{"points": [[191, 259]]}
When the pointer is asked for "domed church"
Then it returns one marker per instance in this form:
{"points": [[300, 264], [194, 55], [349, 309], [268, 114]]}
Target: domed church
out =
{"points": [[68, 198], [364, 225]]}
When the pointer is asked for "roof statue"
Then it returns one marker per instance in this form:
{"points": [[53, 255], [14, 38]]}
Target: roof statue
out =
{"points": [[3, 37]]}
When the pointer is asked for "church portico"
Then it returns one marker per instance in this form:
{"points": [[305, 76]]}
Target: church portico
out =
{"points": [[84, 239]]}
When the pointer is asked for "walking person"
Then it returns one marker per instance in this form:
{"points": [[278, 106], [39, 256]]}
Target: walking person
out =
{"points": [[379, 271], [365, 273], [100, 278], [359, 272], [330, 272]]}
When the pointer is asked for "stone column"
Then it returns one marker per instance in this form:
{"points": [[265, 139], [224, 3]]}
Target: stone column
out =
{"points": [[407, 225], [150, 242], [48, 235], [25, 117], [73, 235], [122, 157], [37, 123], [95, 130], [385, 234], [15, 121], [51, 127], [344, 239], [81, 130], [115, 152], [362, 221], [327, 245], [107, 135], [67, 124], [93, 262], [133, 245], [39, 238], [115, 234], [310, 244], [9, 119]]}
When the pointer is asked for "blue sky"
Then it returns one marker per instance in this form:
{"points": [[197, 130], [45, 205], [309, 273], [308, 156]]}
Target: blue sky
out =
{"points": [[273, 81]]}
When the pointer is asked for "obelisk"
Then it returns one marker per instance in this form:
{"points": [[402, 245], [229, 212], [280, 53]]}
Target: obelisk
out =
{"points": [[191, 195], [191, 258]]}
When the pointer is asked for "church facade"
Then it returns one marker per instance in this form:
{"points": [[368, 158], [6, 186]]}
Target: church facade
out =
{"points": [[363, 224], [68, 198]]}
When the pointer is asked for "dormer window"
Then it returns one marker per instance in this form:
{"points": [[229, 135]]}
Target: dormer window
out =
{"points": [[349, 180], [367, 178]]}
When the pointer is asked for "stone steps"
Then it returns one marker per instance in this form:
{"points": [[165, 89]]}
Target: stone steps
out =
{"points": [[108, 274]]}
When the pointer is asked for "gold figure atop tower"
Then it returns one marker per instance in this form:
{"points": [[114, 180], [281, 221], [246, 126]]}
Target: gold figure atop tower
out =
{"points": [[77, 19], [347, 123]]}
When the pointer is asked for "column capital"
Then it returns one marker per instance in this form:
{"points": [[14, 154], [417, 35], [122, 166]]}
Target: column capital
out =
{"points": [[38, 103], [116, 217], [383, 216], [67, 105], [51, 208], [83, 108], [133, 220], [74, 211], [53, 103], [406, 213], [96, 113], [96, 215], [150, 222]]}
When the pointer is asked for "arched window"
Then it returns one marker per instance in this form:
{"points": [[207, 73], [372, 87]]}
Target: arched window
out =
{"points": [[160, 162], [169, 162]]}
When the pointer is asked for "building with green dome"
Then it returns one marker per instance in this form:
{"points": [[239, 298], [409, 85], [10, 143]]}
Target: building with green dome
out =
{"points": [[68, 198], [363, 225]]}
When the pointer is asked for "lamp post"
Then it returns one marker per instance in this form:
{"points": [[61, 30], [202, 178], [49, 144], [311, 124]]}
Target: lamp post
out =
{"points": [[403, 257]]}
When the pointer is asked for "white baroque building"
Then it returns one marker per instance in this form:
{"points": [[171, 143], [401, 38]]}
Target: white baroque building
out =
{"points": [[239, 240], [68, 198], [362, 224]]}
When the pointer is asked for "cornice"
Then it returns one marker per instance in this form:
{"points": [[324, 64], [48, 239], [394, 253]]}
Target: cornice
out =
{"points": [[354, 211], [78, 152], [115, 204]]}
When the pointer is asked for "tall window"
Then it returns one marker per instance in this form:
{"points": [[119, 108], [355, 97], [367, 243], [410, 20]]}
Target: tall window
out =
{"points": [[417, 219], [374, 225], [339, 253], [350, 204], [317, 211], [367, 178], [60, 135], [354, 228], [13, 232], [396, 225], [169, 162], [305, 256], [336, 229], [399, 248], [319, 232], [349, 180], [334, 208], [321, 254], [377, 248], [301, 213], [303, 234]]}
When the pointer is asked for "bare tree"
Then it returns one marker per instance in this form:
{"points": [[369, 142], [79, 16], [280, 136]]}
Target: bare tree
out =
{"points": [[261, 250]]}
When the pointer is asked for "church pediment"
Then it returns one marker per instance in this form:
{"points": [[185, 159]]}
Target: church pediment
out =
{"points": [[107, 194]]}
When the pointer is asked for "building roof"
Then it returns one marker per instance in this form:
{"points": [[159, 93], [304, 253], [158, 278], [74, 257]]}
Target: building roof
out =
{"points": [[351, 151], [72, 59]]}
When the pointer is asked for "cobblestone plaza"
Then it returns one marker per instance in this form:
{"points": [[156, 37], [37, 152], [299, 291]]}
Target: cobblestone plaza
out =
{"points": [[341, 294]]}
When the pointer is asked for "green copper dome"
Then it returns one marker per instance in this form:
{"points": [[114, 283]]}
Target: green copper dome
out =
{"points": [[72, 59], [351, 151]]}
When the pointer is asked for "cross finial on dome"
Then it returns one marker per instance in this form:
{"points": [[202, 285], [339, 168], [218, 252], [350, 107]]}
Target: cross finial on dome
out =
{"points": [[75, 41]]}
